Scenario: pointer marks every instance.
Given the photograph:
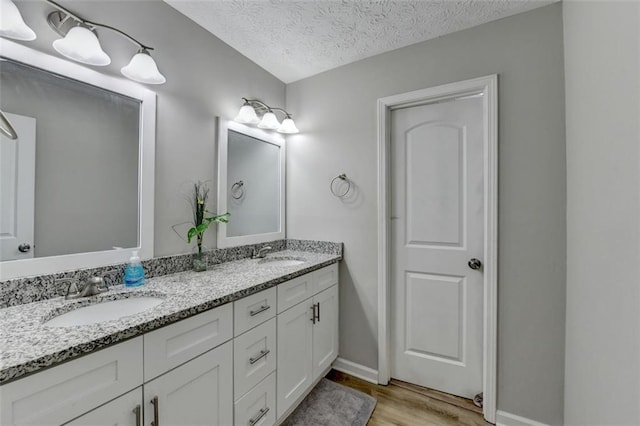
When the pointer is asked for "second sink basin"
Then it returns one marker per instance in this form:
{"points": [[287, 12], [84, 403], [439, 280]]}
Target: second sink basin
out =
{"points": [[282, 261], [107, 310]]}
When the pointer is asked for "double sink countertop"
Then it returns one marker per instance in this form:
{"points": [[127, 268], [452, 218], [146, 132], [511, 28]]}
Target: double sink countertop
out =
{"points": [[28, 345]]}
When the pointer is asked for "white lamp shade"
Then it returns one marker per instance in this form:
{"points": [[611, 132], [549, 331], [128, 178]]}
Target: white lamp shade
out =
{"points": [[247, 115], [269, 121], [288, 126], [82, 45], [11, 23], [143, 69]]}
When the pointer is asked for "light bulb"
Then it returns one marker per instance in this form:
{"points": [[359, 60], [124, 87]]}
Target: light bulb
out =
{"points": [[269, 121], [143, 69], [288, 126], [247, 115], [11, 23], [82, 45]]}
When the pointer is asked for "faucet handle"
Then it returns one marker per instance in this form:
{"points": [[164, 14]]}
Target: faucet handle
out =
{"points": [[72, 282], [111, 274]]}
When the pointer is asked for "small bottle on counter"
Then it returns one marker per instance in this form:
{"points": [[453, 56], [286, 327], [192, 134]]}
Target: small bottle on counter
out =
{"points": [[134, 273]]}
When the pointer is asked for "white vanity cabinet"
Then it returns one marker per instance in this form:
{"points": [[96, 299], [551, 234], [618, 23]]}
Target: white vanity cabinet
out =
{"points": [[307, 335], [249, 362]]}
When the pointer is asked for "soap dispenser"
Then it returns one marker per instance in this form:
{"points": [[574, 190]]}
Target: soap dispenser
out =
{"points": [[134, 273]]}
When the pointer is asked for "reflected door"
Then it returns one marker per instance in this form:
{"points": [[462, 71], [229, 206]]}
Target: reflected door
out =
{"points": [[437, 227], [17, 185]]}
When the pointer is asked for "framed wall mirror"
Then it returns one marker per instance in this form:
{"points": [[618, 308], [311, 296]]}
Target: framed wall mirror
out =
{"points": [[77, 183], [251, 176]]}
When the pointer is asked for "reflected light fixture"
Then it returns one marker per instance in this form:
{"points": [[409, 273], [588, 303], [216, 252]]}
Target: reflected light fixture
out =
{"points": [[80, 43], [11, 23], [252, 108]]}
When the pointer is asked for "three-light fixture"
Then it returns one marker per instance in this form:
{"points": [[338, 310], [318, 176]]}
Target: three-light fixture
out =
{"points": [[252, 108], [79, 41]]}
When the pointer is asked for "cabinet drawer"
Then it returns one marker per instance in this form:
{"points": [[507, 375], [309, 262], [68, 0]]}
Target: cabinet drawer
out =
{"points": [[325, 278], [177, 343], [64, 392], [123, 411], [254, 356], [253, 310], [294, 291], [258, 407]]}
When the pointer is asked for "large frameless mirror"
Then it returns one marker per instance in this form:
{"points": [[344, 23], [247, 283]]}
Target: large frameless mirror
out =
{"points": [[76, 184]]}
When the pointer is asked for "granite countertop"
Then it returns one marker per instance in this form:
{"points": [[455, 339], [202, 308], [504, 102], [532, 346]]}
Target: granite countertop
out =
{"points": [[28, 345]]}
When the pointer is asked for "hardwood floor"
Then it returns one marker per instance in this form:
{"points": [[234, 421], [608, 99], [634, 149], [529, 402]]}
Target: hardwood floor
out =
{"points": [[403, 404]]}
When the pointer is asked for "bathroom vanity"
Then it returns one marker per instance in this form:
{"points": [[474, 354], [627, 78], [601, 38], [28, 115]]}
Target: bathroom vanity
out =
{"points": [[241, 344]]}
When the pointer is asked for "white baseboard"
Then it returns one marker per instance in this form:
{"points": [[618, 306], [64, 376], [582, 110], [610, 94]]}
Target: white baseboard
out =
{"points": [[508, 419], [358, 370]]}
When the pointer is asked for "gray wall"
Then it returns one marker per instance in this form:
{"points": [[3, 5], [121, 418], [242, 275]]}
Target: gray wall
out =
{"points": [[337, 110], [86, 180], [257, 164], [602, 68], [205, 78]]}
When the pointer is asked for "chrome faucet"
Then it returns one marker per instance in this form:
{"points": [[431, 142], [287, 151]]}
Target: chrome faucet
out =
{"points": [[259, 254], [91, 287]]}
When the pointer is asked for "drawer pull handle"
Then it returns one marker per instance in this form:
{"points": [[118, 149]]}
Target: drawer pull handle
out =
{"points": [[313, 313], [259, 310], [262, 354], [318, 318], [263, 412], [136, 411], [156, 420]]}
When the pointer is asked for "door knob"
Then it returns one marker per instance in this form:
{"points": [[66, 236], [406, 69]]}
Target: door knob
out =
{"points": [[475, 264], [24, 248]]}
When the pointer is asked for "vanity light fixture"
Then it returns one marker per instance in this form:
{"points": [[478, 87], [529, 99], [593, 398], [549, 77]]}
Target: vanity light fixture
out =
{"points": [[252, 108], [80, 41], [11, 23]]}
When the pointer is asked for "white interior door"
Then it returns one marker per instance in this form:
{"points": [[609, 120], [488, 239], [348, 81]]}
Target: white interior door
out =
{"points": [[17, 189], [437, 208]]}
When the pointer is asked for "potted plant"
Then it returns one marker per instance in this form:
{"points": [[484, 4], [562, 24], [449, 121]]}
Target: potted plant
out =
{"points": [[202, 218]]}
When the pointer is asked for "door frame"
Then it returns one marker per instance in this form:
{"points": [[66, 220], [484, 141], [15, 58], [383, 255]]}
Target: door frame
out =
{"points": [[488, 86]]}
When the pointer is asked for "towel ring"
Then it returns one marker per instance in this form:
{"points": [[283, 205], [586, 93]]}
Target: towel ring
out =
{"points": [[236, 188], [342, 177]]}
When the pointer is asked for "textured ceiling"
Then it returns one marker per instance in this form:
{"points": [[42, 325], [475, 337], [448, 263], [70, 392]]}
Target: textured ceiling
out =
{"points": [[294, 39]]}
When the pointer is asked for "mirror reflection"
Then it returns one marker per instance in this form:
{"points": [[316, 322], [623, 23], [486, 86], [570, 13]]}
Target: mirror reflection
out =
{"points": [[69, 182], [253, 185]]}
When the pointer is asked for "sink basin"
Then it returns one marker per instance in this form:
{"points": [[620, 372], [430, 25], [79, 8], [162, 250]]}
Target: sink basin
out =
{"points": [[107, 310], [282, 261]]}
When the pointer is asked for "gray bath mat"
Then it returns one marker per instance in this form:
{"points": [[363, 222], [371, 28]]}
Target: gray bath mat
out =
{"points": [[332, 404]]}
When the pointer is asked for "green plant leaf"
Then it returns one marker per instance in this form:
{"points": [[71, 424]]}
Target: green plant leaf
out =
{"points": [[191, 233]]}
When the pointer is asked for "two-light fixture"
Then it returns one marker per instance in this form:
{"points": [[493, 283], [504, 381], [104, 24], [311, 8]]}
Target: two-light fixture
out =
{"points": [[252, 108], [80, 41]]}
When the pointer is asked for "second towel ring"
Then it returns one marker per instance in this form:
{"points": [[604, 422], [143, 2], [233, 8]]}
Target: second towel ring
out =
{"points": [[342, 177], [236, 188]]}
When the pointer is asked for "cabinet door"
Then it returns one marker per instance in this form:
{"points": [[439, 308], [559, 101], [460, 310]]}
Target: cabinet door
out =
{"points": [[325, 330], [199, 392], [294, 354], [123, 411]]}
